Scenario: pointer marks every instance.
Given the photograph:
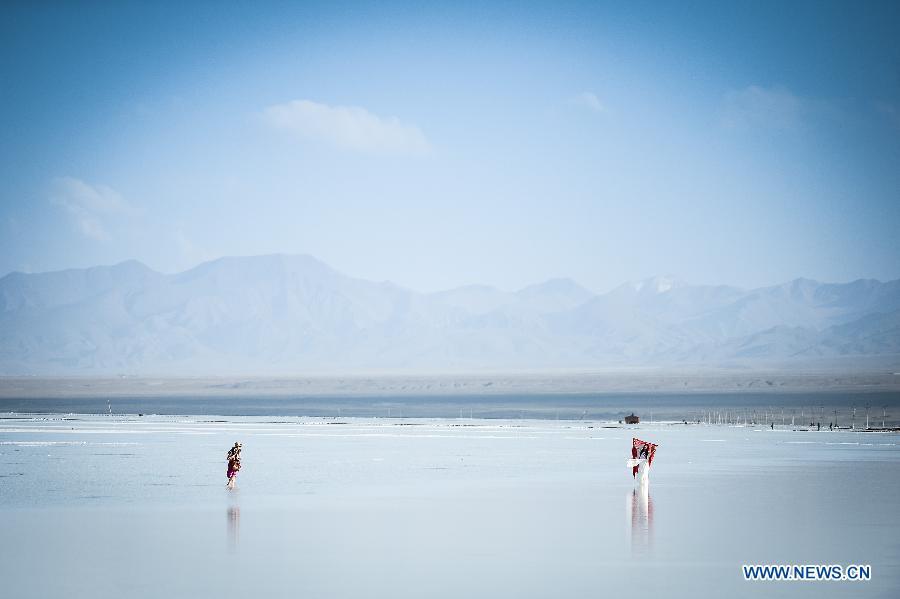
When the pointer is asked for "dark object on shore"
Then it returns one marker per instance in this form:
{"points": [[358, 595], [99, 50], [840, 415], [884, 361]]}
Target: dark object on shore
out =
{"points": [[632, 419]]}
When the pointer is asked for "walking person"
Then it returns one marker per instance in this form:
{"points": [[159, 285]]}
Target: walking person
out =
{"points": [[234, 464]]}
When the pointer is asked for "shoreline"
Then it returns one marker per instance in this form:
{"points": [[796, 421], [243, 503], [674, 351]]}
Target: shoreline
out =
{"points": [[498, 384], [797, 410], [415, 421]]}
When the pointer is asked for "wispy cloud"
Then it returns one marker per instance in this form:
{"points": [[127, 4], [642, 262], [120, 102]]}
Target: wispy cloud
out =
{"points": [[347, 127], [760, 107], [589, 101], [88, 206]]}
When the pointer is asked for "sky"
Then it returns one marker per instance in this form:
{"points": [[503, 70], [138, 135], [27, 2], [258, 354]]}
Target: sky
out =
{"points": [[436, 146]]}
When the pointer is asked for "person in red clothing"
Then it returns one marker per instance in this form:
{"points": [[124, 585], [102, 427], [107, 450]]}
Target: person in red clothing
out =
{"points": [[234, 464], [641, 458]]}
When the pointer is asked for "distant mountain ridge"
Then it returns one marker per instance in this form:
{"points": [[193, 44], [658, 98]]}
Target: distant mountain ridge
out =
{"points": [[295, 314]]}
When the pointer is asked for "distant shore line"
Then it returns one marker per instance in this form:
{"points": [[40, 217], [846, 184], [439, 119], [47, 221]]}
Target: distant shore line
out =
{"points": [[486, 384], [414, 421], [798, 407]]}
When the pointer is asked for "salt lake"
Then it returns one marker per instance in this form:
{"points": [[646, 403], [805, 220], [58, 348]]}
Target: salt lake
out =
{"points": [[127, 506]]}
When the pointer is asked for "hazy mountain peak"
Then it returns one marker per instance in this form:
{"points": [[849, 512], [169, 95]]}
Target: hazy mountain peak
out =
{"points": [[132, 265], [802, 283], [294, 313], [64, 287], [263, 266], [132, 271], [555, 285], [653, 285], [126, 266]]}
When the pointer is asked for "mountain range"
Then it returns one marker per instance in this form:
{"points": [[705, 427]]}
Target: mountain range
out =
{"points": [[279, 314]]}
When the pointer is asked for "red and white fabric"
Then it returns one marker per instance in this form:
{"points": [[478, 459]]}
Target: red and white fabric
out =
{"points": [[636, 447]]}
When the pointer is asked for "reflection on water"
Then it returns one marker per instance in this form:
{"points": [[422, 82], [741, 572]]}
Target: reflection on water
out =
{"points": [[368, 498], [234, 526], [639, 510]]}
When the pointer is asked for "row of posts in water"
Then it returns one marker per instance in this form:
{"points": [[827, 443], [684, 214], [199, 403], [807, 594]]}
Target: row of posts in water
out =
{"points": [[810, 417], [745, 417]]}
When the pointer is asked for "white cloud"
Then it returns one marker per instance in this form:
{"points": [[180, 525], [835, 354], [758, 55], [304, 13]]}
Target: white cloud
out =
{"points": [[759, 107], [88, 206], [348, 127], [588, 100]]}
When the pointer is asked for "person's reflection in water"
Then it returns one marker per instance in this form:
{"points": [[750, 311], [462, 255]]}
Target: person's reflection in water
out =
{"points": [[234, 526], [640, 512]]}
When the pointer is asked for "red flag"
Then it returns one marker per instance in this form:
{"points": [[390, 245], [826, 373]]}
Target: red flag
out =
{"points": [[636, 446]]}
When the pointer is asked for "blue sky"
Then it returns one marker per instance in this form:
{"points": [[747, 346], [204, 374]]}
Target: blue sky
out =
{"points": [[436, 146]]}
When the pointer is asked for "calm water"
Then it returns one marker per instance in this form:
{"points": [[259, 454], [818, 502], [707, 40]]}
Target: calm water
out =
{"points": [[136, 507], [763, 407]]}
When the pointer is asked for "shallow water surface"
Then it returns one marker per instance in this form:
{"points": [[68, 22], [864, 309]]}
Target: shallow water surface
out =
{"points": [[136, 507]]}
